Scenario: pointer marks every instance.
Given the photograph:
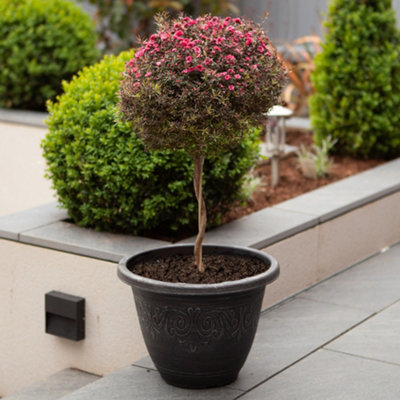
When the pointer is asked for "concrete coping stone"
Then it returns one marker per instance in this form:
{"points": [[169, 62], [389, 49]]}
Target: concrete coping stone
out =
{"points": [[24, 117], [48, 226]]}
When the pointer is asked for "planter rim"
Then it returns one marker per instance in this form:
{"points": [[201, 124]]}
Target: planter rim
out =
{"points": [[239, 285]]}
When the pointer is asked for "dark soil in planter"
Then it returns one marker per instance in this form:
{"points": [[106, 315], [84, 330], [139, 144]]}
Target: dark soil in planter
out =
{"points": [[219, 268]]}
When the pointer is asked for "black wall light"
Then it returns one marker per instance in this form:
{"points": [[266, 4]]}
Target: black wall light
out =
{"points": [[65, 315]]}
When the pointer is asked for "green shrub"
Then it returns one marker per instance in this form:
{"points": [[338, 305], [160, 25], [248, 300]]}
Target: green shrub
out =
{"points": [[357, 79], [41, 43], [107, 181]]}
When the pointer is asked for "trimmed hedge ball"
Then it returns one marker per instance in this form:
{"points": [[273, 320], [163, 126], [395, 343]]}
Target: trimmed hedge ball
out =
{"points": [[41, 43], [105, 178]]}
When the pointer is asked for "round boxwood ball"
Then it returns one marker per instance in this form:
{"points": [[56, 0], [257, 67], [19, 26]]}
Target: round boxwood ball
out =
{"points": [[106, 180], [41, 43]]}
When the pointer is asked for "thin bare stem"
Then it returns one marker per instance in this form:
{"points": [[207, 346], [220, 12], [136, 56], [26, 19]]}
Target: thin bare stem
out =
{"points": [[202, 213]]}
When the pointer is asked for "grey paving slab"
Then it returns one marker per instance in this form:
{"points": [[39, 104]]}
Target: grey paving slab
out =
{"points": [[340, 197], [132, 383], [55, 386], [260, 229], [370, 285], [69, 237], [378, 338], [326, 375], [23, 117], [12, 225], [287, 334]]}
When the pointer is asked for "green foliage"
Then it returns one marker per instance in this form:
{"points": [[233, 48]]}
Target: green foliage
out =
{"points": [[357, 79], [318, 156], [41, 43], [105, 178], [197, 83]]}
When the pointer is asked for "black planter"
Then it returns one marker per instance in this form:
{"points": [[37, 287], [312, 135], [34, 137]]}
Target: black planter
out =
{"points": [[198, 336]]}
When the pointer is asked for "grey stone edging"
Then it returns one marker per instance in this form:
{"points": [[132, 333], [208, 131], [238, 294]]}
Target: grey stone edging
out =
{"points": [[47, 225], [37, 118], [24, 117]]}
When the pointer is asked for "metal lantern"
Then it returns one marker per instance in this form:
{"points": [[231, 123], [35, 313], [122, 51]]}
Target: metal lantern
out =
{"points": [[275, 138]]}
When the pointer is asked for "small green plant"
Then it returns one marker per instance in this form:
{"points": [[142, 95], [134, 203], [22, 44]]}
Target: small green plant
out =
{"points": [[196, 85], [316, 163], [107, 181], [357, 80], [41, 43]]}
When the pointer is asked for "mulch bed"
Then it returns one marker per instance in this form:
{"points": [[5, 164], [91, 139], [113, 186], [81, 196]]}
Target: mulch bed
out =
{"points": [[292, 182]]}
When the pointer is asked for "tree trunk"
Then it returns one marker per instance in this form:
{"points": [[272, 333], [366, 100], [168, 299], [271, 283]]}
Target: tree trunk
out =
{"points": [[202, 213]]}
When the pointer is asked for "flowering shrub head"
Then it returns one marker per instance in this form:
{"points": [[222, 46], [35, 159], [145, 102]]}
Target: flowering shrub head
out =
{"points": [[196, 83]]}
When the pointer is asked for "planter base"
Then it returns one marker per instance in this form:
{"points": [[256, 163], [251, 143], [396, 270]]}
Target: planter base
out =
{"points": [[199, 335], [197, 382]]}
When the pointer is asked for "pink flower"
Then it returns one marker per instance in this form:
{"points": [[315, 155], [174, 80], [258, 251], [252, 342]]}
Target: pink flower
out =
{"points": [[227, 77], [148, 74], [138, 75], [191, 69], [178, 34], [140, 53], [255, 66], [163, 36], [153, 38], [217, 48], [260, 49], [208, 61], [220, 40], [231, 87], [249, 41], [230, 58], [189, 59], [158, 63], [185, 71], [199, 68], [133, 70], [237, 76], [237, 20], [197, 50]]}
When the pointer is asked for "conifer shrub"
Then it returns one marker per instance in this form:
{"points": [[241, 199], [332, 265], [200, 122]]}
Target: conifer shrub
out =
{"points": [[41, 43], [357, 80], [106, 180]]}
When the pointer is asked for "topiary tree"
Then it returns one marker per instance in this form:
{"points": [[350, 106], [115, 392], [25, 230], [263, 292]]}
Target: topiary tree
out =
{"points": [[41, 43], [357, 80], [106, 180], [195, 85]]}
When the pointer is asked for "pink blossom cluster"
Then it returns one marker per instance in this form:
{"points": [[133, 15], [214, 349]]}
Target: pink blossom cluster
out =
{"points": [[226, 53], [198, 84]]}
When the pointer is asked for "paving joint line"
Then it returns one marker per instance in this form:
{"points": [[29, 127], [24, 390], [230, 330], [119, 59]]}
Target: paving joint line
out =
{"points": [[313, 351], [362, 357]]}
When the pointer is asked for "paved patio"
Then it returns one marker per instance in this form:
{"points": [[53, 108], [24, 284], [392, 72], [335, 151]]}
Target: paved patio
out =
{"points": [[337, 340]]}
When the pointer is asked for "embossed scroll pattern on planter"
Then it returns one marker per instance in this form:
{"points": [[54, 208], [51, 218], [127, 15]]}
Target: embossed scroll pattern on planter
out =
{"points": [[193, 326]]}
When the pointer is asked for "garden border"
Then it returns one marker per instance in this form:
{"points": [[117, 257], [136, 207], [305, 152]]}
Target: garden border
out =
{"points": [[47, 226]]}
